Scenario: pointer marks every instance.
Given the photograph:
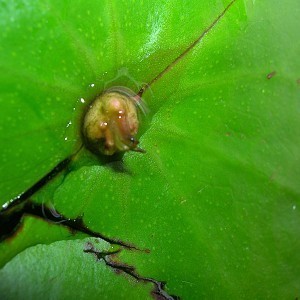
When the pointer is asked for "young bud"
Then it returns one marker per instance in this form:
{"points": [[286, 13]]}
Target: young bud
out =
{"points": [[111, 122]]}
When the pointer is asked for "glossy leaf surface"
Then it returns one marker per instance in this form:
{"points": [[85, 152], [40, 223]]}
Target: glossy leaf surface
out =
{"points": [[216, 197]]}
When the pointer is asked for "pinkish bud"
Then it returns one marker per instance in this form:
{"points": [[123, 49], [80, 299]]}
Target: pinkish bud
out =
{"points": [[111, 122]]}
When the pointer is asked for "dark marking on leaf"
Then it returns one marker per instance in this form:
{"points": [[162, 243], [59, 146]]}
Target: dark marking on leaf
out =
{"points": [[158, 292], [298, 81], [10, 226], [21, 198], [36, 187], [271, 75], [11, 221]]}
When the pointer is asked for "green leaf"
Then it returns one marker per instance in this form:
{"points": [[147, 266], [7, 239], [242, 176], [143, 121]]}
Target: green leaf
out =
{"points": [[216, 197], [62, 276], [33, 231]]}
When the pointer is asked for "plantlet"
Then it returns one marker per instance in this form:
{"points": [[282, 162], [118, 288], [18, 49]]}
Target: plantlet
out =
{"points": [[112, 121]]}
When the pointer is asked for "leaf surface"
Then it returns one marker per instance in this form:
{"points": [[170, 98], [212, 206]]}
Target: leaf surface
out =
{"points": [[216, 197]]}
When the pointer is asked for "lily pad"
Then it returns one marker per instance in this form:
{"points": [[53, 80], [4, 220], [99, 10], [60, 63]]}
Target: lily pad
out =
{"points": [[56, 272], [213, 205]]}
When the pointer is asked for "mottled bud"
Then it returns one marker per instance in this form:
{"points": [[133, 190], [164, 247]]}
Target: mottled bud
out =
{"points": [[111, 122]]}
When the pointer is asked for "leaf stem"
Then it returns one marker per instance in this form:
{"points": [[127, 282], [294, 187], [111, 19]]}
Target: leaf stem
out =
{"points": [[186, 51]]}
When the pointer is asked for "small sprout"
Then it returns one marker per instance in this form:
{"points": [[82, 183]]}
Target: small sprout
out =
{"points": [[111, 122]]}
